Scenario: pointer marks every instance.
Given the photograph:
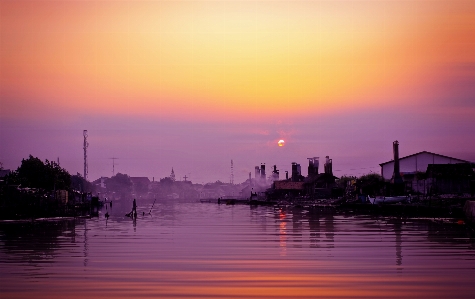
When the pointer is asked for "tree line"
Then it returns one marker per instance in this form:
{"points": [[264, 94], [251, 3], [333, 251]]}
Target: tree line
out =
{"points": [[47, 176]]}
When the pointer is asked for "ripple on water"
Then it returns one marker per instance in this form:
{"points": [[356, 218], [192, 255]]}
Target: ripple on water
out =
{"points": [[220, 251]]}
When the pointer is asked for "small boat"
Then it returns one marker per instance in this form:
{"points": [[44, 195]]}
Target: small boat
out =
{"points": [[388, 199]]}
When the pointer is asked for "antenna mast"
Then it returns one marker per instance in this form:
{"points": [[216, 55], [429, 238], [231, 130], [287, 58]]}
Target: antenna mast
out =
{"points": [[86, 144], [113, 165], [232, 173]]}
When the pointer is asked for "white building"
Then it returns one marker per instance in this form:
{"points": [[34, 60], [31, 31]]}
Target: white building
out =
{"points": [[416, 163]]}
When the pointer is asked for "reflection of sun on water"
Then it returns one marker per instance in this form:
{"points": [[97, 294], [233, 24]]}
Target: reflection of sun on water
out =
{"points": [[281, 142], [282, 234]]}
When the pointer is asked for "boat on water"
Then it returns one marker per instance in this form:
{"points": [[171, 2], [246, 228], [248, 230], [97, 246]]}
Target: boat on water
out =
{"points": [[388, 199]]}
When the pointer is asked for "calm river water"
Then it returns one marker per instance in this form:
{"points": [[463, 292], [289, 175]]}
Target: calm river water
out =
{"points": [[204, 250]]}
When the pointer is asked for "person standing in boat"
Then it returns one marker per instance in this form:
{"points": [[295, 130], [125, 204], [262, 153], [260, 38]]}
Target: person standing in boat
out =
{"points": [[134, 209]]}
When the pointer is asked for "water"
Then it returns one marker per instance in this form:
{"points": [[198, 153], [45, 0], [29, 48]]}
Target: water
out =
{"points": [[186, 250]]}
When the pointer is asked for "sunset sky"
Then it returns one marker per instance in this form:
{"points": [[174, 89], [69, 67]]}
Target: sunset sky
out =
{"points": [[194, 84]]}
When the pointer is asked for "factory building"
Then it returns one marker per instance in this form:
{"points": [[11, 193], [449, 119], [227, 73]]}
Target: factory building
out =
{"points": [[451, 178], [313, 166], [315, 185], [296, 172], [416, 163]]}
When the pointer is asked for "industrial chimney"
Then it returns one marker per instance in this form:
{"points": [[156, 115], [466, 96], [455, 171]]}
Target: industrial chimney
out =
{"points": [[257, 173], [397, 172], [328, 165], [275, 174], [316, 163], [312, 166], [296, 172], [263, 172]]}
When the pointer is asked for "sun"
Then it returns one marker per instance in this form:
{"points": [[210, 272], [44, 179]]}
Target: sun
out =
{"points": [[281, 142]]}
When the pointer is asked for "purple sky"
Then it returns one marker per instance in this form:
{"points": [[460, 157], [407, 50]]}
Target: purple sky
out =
{"points": [[357, 142], [194, 84]]}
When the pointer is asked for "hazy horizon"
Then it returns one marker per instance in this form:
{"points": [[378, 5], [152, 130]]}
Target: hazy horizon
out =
{"points": [[194, 84]]}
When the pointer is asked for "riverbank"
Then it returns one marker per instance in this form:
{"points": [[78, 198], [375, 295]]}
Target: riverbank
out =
{"points": [[428, 208], [33, 210]]}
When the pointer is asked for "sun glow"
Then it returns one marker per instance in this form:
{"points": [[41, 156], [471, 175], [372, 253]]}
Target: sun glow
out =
{"points": [[281, 142], [278, 57]]}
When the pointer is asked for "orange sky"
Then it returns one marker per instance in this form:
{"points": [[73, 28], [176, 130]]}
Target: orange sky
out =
{"points": [[236, 61], [209, 57]]}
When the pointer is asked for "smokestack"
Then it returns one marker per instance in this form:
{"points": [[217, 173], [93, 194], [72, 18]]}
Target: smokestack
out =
{"points": [[275, 174], [312, 166], [397, 172], [263, 172], [328, 165], [295, 172], [396, 156], [257, 172], [286, 175]]}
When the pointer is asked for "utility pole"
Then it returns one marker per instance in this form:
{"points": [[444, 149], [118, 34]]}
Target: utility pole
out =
{"points": [[232, 173], [86, 144], [113, 165]]}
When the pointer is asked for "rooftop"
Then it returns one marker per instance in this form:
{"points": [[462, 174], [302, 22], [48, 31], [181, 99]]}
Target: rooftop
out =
{"points": [[426, 152]]}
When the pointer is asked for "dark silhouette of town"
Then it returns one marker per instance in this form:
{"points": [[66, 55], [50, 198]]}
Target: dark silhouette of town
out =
{"points": [[38, 189]]}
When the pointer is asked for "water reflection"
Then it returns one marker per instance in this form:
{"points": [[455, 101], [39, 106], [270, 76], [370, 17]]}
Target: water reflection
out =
{"points": [[397, 227], [318, 225], [282, 232], [297, 226], [219, 251], [36, 242], [86, 246]]}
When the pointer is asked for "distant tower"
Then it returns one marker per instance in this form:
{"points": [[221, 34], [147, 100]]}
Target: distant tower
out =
{"points": [[296, 172], [257, 172], [397, 178], [328, 165], [263, 173], [172, 175], [313, 166], [86, 144], [275, 174], [232, 173], [113, 165]]}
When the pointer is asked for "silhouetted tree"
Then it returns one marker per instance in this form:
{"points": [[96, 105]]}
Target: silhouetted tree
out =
{"points": [[342, 182], [167, 186], [141, 188], [119, 183], [371, 184], [34, 173], [81, 184], [166, 182]]}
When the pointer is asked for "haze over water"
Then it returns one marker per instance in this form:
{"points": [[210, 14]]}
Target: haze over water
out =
{"points": [[185, 250]]}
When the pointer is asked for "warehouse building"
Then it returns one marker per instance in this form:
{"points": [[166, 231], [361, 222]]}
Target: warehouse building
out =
{"points": [[416, 163]]}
